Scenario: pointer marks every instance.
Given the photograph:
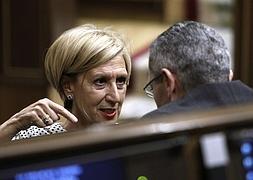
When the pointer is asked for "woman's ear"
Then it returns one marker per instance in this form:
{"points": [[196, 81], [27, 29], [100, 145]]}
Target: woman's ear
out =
{"points": [[67, 85]]}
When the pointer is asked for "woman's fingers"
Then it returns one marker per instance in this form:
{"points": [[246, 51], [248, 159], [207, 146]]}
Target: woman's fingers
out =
{"points": [[63, 112], [54, 110], [41, 113], [45, 105], [47, 120], [25, 119], [36, 119]]}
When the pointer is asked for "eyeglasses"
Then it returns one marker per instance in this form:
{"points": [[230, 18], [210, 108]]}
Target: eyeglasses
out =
{"points": [[148, 89]]}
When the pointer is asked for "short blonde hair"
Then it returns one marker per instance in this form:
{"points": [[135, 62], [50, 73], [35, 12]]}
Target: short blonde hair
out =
{"points": [[83, 48]]}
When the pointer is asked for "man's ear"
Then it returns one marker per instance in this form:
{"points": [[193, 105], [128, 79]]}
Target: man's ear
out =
{"points": [[67, 85], [231, 74], [169, 80]]}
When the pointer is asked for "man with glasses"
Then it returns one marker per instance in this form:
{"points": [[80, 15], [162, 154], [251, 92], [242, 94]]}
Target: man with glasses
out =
{"points": [[190, 69]]}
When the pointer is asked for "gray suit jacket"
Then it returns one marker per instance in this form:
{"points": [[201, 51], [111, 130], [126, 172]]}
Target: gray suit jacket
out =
{"points": [[207, 96]]}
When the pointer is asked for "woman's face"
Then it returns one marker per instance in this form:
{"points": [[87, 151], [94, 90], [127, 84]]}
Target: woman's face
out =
{"points": [[100, 92]]}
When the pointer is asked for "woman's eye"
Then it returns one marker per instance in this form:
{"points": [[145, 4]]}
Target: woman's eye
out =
{"points": [[121, 82], [100, 82]]}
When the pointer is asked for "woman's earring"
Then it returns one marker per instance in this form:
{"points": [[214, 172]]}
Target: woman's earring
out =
{"points": [[68, 103], [70, 97]]}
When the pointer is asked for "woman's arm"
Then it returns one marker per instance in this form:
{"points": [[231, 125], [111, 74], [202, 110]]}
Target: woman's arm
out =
{"points": [[42, 113]]}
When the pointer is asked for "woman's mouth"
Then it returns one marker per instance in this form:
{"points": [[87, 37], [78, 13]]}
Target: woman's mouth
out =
{"points": [[108, 113]]}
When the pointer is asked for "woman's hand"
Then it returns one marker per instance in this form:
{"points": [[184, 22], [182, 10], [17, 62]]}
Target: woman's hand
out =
{"points": [[41, 113]]}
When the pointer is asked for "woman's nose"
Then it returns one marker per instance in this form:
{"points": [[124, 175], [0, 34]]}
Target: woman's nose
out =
{"points": [[113, 94]]}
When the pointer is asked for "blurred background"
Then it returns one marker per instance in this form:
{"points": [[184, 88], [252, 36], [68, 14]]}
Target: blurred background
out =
{"points": [[28, 27]]}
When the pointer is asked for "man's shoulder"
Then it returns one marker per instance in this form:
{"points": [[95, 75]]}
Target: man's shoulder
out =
{"points": [[167, 109], [207, 96]]}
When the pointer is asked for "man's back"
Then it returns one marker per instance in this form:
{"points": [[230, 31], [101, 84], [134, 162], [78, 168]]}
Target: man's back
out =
{"points": [[207, 96]]}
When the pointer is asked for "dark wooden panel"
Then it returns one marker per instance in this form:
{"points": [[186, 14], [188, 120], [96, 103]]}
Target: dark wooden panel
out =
{"points": [[25, 36], [27, 28], [244, 41], [151, 10]]}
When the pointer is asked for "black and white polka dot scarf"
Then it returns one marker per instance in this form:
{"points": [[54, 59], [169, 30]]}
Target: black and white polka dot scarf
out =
{"points": [[35, 131]]}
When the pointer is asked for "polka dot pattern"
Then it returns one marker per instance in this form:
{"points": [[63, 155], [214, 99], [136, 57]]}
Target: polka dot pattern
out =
{"points": [[35, 131]]}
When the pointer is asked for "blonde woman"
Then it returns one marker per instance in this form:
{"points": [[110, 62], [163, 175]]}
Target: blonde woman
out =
{"points": [[90, 69]]}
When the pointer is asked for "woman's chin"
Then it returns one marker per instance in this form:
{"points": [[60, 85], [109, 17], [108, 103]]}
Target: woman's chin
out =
{"points": [[108, 121]]}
